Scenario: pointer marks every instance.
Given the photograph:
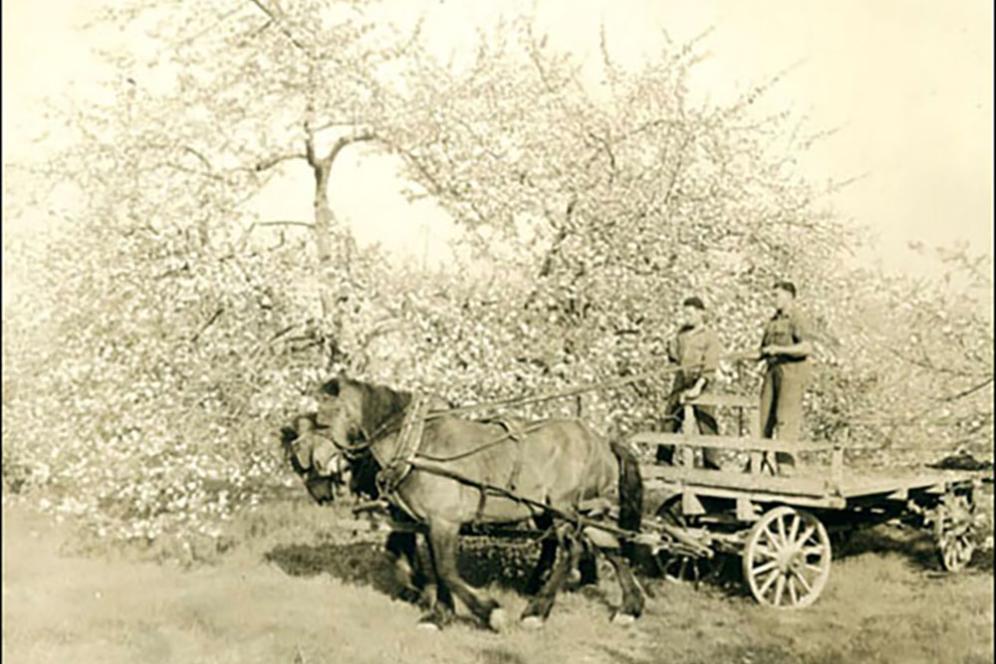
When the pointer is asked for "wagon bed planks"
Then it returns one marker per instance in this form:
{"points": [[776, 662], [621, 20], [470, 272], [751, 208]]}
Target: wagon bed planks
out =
{"points": [[857, 485], [806, 485], [742, 443], [804, 489]]}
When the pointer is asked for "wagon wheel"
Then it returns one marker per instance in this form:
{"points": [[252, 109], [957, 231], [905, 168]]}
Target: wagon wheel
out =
{"points": [[786, 558], [678, 567], [953, 520]]}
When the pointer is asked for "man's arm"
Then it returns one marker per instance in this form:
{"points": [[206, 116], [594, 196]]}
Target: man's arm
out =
{"points": [[709, 368], [799, 349], [803, 346], [672, 349]]}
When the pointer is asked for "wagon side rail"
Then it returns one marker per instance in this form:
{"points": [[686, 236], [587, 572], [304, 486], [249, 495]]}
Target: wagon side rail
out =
{"points": [[761, 451]]}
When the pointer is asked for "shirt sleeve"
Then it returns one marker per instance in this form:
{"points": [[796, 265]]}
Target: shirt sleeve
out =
{"points": [[710, 360], [801, 329], [673, 350]]}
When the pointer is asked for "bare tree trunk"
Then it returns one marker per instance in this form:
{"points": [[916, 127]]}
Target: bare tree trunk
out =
{"points": [[323, 214], [323, 228], [323, 231]]}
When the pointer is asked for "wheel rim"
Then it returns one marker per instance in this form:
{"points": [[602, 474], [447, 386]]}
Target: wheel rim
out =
{"points": [[956, 552], [786, 558], [954, 539]]}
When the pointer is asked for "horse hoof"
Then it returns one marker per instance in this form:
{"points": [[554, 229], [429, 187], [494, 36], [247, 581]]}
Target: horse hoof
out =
{"points": [[623, 620], [574, 577], [427, 626], [498, 621], [532, 623]]}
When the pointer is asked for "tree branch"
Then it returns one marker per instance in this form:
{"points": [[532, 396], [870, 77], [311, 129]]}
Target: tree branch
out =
{"points": [[211, 321], [278, 159], [971, 390], [261, 224], [346, 141], [280, 20], [203, 31]]}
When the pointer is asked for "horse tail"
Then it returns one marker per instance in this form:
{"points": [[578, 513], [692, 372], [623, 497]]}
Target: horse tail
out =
{"points": [[630, 488]]}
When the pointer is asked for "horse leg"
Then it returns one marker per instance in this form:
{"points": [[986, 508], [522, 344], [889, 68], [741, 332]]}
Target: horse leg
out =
{"points": [[412, 571], [548, 554], [588, 567], [437, 597], [539, 607], [443, 541], [425, 572], [401, 547], [632, 595]]}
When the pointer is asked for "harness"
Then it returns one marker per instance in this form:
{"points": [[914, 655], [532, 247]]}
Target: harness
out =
{"points": [[515, 435], [395, 469]]}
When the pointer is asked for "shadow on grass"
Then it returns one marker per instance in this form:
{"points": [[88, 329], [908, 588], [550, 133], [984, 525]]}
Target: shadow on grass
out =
{"points": [[724, 574], [915, 545], [368, 564]]}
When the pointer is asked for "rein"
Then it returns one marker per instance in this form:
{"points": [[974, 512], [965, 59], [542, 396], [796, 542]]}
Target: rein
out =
{"points": [[583, 389], [484, 446], [395, 421]]}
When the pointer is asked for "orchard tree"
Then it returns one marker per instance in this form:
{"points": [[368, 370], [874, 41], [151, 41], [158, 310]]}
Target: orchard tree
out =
{"points": [[176, 331], [933, 344], [623, 200]]}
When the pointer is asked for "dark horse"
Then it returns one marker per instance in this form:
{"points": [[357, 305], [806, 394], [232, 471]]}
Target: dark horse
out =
{"points": [[557, 466], [320, 465]]}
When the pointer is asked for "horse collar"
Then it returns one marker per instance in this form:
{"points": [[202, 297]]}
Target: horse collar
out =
{"points": [[395, 468]]}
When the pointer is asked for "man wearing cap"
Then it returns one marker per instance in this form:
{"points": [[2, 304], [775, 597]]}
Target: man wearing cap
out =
{"points": [[696, 350], [785, 349]]}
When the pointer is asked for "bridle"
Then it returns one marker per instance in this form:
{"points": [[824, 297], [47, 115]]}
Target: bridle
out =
{"points": [[355, 450]]}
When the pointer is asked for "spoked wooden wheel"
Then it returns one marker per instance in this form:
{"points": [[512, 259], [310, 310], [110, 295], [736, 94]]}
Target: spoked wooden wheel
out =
{"points": [[953, 523], [787, 558], [677, 567]]}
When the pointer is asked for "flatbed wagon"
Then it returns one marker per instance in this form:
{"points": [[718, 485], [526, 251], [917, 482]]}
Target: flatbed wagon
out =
{"points": [[783, 527]]}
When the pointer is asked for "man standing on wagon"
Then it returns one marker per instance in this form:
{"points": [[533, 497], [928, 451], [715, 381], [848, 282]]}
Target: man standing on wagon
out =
{"points": [[785, 349], [696, 350]]}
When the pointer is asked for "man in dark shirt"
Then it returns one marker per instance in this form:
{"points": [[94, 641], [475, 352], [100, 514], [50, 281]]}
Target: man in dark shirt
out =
{"points": [[696, 350], [785, 349]]}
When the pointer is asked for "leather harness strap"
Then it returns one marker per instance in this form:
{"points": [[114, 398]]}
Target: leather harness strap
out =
{"points": [[395, 470], [515, 436]]}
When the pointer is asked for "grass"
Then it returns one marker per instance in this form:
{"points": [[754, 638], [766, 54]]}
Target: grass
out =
{"points": [[291, 588]]}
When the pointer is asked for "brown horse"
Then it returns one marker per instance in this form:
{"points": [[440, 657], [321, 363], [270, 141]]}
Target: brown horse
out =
{"points": [[460, 472]]}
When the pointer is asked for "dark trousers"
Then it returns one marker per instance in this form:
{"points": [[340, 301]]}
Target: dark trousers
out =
{"points": [[674, 420], [781, 403]]}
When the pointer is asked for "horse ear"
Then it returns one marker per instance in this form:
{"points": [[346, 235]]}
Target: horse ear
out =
{"points": [[287, 435]]}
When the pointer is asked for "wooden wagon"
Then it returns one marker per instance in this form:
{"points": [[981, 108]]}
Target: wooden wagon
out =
{"points": [[782, 527]]}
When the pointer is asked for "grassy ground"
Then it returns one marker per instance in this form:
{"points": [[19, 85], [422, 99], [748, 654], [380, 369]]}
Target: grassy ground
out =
{"points": [[290, 589]]}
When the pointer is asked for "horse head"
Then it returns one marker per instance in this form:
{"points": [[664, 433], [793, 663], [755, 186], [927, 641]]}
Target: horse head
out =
{"points": [[314, 458], [354, 413], [340, 412]]}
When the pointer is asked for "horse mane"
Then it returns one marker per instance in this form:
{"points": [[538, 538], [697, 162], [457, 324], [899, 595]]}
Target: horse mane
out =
{"points": [[381, 404]]}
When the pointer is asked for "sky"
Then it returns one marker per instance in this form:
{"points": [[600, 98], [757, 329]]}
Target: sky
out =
{"points": [[907, 82]]}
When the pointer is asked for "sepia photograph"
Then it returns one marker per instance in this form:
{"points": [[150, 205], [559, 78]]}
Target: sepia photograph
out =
{"points": [[498, 332]]}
